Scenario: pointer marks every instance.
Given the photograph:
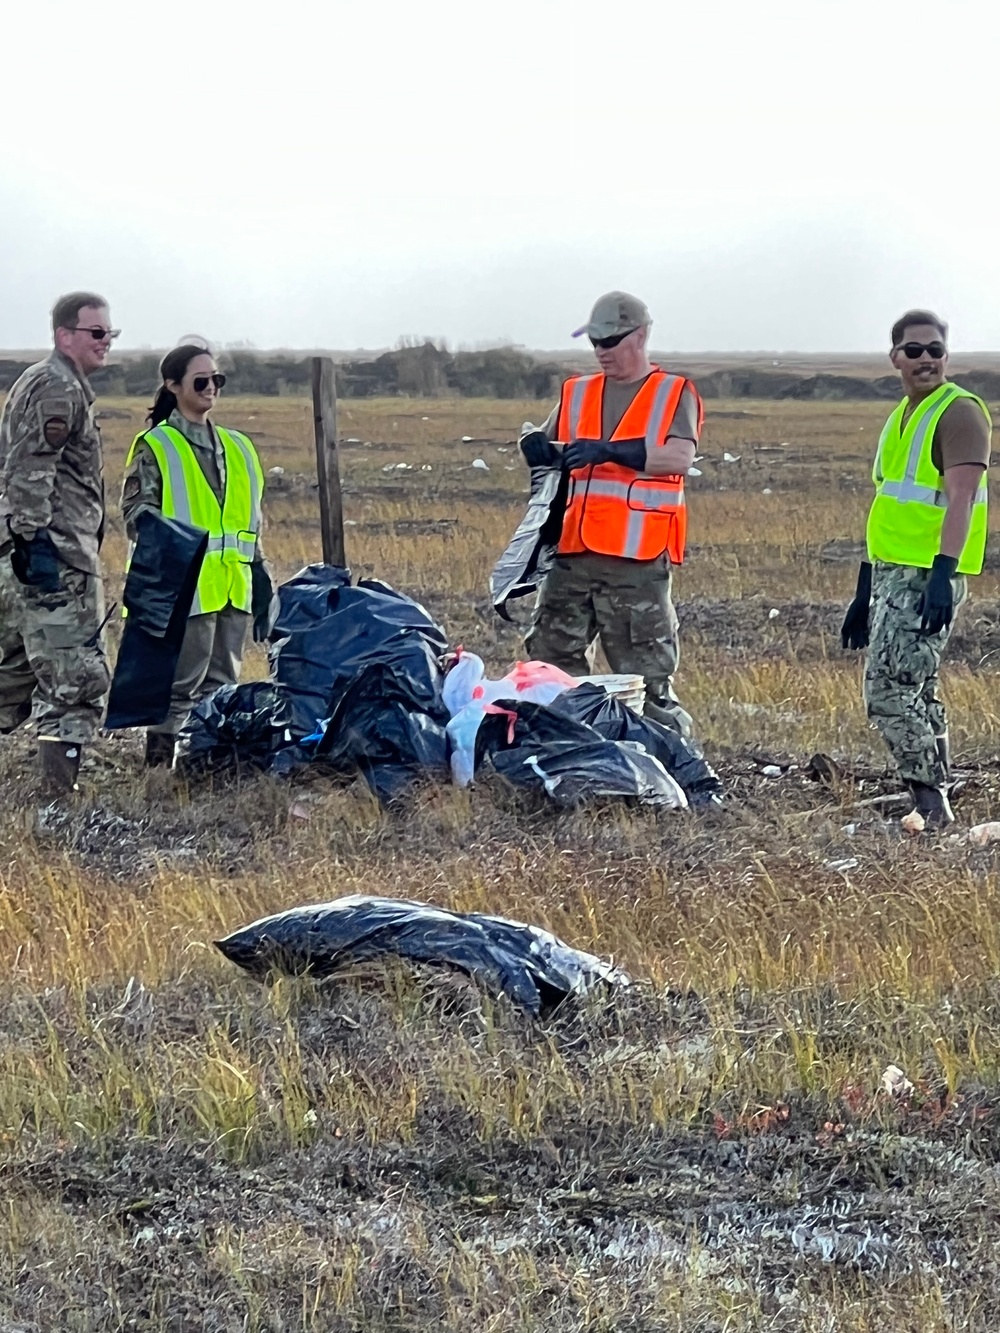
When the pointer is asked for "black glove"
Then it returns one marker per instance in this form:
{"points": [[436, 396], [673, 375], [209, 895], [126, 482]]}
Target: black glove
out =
{"points": [[937, 601], [538, 450], [261, 593], [35, 562], [585, 453], [854, 633], [588, 453]]}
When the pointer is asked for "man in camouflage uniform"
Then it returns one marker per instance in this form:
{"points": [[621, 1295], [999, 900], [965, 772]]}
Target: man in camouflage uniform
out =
{"points": [[926, 531], [53, 667], [589, 593]]}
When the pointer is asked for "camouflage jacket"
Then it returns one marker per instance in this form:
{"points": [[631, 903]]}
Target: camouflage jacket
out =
{"points": [[51, 462]]}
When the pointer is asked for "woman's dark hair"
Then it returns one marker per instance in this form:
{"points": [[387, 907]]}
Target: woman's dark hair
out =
{"points": [[172, 368]]}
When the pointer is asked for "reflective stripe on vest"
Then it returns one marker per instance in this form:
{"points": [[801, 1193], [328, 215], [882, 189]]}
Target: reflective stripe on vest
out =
{"points": [[907, 514], [232, 527], [612, 509]]}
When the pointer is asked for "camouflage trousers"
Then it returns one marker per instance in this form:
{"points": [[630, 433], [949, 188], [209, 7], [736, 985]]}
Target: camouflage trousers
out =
{"points": [[624, 603], [901, 672], [53, 668]]}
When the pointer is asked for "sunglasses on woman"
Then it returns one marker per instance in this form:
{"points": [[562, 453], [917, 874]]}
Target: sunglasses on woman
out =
{"points": [[201, 382], [914, 351]]}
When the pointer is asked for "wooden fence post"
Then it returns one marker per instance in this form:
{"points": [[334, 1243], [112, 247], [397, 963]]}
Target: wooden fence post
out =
{"points": [[331, 506]]}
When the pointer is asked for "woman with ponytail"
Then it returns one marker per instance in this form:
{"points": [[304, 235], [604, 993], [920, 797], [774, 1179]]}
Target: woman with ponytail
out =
{"points": [[183, 466]]}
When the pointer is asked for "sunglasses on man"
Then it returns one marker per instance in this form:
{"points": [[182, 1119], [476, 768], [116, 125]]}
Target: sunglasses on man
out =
{"points": [[914, 351], [201, 382], [96, 332], [605, 344]]}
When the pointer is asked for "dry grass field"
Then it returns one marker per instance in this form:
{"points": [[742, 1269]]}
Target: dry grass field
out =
{"points": [[184, 1149]]}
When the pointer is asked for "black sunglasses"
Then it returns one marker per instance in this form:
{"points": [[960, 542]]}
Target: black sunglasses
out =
{"points": [[914, 351], [201, 382], [96, 332], [605, 344]]}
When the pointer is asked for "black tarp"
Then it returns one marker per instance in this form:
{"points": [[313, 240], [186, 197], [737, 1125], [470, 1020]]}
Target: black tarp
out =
{"points": [[529, 554], [531, 966], [159, 589]]}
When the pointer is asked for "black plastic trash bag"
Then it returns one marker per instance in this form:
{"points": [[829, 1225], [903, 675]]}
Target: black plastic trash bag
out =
{"points": [[380, 726], [300, 642], [159, 589], [535, 969], [237, 726], [328, 633], [530, 552], [571, 773], [615, 721]]}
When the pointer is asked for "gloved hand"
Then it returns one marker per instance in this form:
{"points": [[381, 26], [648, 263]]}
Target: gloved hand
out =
{"points": [[538, 450], [261, 593], [587, 453], [854, 633], [937, 601], [35, 561]]}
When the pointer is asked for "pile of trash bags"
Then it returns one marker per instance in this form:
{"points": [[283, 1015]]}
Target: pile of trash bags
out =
{"points": [[534, 968], [358, 683]]}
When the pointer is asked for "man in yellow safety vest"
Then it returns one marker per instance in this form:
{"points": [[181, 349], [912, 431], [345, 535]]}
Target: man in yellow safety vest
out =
{"points": [[926, 532]]}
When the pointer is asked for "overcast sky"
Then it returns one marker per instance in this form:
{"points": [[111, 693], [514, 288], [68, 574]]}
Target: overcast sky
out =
{"points": [[773, 175]]}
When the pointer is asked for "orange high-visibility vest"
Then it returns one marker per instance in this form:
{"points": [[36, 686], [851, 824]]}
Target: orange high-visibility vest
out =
{"points": [[609, 508]]}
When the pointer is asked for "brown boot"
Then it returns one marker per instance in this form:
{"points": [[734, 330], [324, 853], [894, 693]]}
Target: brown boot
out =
{"points": [[932, 804], [159, 749], [60, 764]]}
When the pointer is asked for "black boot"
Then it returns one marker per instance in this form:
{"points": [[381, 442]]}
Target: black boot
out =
{"points": [[932, 803], [60, 764], [159, 749]]}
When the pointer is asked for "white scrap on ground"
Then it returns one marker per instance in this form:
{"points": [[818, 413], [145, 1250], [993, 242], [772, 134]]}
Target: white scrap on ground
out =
{"points": [[467, 439], [913, 823], [481, 464], [275, 471], [771, 771], [695, 472], [983, 834], [895, 1082], [773, 614], [731, 458]]}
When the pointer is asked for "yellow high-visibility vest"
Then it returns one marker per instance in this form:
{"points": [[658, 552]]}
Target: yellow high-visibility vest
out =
{"points": [[907, 514], [233, 527]]}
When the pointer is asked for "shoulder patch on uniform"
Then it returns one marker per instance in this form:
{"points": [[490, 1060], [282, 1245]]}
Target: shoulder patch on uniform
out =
{"points": [[55, 431], [55, 419]]}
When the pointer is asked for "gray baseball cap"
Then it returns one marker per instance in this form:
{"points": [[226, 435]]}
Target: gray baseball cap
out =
{"points": [[614, 313]]}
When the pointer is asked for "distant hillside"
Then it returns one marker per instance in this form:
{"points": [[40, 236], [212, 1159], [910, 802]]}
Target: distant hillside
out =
{"points": [[504, 372]]}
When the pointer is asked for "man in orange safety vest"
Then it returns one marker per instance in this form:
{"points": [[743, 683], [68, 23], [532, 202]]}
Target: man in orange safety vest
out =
{"points": [[627, 436]]}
